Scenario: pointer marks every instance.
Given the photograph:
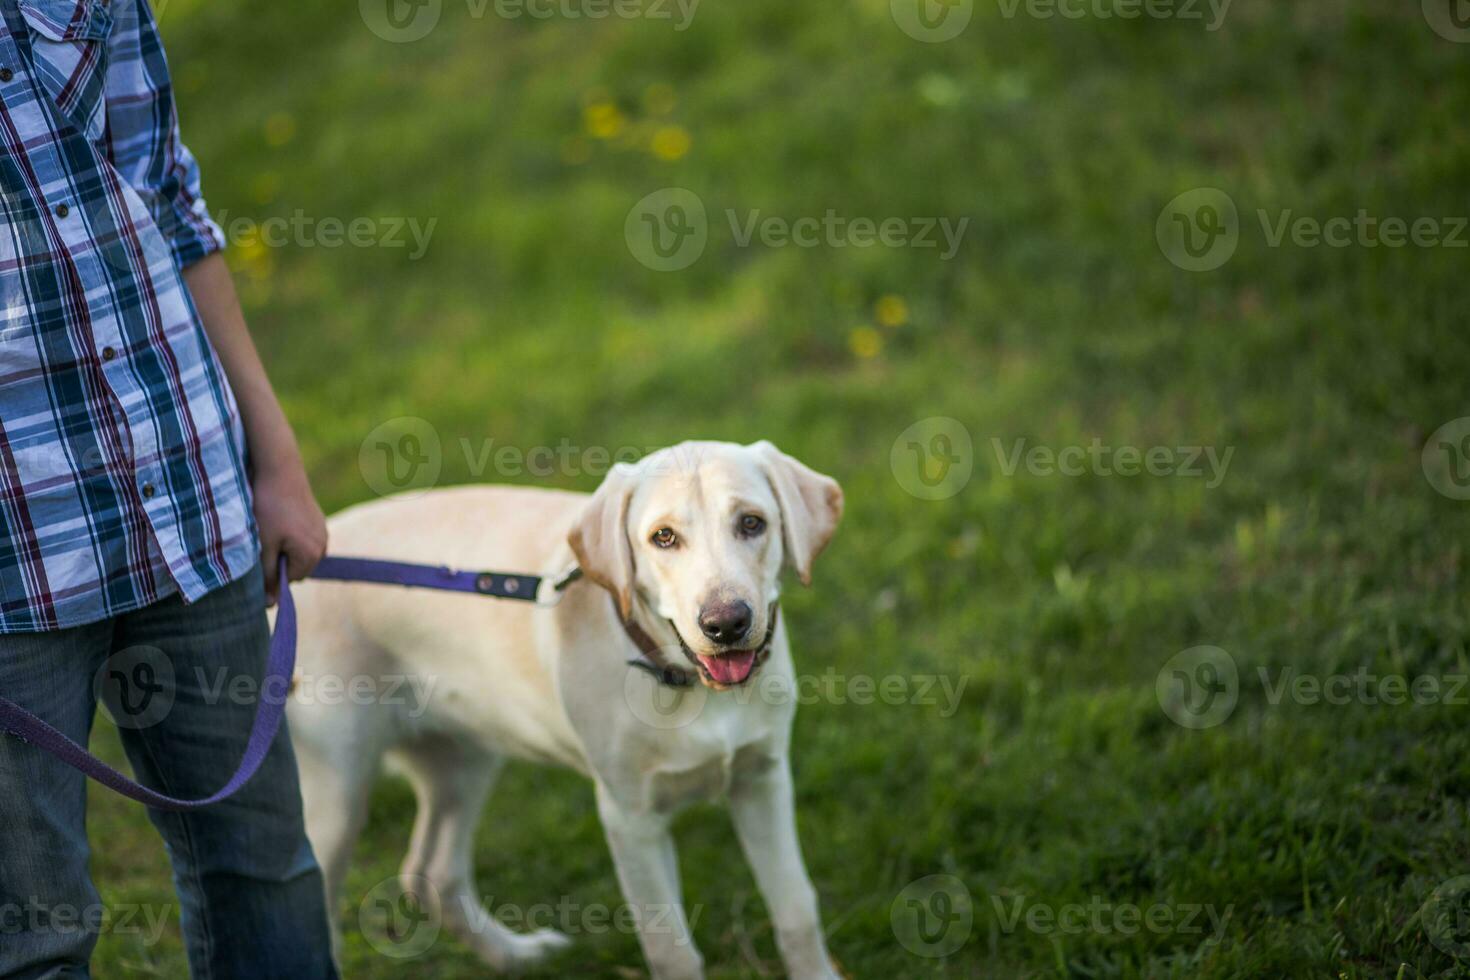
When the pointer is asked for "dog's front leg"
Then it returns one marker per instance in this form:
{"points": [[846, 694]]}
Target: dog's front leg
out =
{"points": [[763, 807], [648, 871]]}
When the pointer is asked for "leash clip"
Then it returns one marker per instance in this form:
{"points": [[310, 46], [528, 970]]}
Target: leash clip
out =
{"points": [[551, 591]]}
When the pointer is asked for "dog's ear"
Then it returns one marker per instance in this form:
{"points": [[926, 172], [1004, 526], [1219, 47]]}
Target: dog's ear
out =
{"points": [[599, 539], [811, 506]]}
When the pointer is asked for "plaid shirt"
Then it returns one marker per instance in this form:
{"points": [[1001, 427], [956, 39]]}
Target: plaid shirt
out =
{"points": [[122, 475]]}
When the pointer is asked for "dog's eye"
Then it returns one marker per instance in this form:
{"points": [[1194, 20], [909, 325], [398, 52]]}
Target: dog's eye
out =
{"points": [[664, 537], [752, 525]]}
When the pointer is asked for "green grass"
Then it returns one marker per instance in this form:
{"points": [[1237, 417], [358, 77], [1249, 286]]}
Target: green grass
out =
{"points": [[1321, 828]]}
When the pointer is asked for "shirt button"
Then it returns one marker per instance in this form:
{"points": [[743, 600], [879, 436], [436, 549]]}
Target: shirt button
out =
{"points": [[147, 490], [108, 353], [6, 74], [62, 210]]}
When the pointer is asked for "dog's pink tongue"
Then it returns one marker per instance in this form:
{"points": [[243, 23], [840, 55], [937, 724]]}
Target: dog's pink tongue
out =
{"points": [[730, 668]]}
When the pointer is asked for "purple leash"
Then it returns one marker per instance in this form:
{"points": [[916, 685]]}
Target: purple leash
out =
{"points": [[279, 667]]}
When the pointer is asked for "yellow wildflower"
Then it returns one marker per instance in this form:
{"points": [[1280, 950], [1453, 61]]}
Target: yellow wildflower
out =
{"points": [[891, 311], [603, 120], [865, 342], [670, 142]]}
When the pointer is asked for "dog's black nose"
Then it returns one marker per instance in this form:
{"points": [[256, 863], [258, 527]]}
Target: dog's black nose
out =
{"points": [[725, 622]]}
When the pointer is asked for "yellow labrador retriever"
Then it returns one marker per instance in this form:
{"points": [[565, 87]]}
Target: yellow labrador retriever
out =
{"points": [[643, 685]]}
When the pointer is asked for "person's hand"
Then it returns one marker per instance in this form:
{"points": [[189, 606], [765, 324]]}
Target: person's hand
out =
{"points": [[290, 522]]}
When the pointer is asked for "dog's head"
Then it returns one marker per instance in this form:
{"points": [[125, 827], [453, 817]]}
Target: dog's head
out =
{"points": [[697, 535]]}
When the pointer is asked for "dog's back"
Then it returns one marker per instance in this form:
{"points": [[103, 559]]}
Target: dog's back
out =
{"points": [[371, 658]]}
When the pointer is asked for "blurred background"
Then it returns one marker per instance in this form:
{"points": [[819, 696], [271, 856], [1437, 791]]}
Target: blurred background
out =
{"points": [[1038, 282]]}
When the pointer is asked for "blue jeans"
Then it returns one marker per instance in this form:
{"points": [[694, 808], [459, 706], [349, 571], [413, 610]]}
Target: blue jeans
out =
{"points": [[182, 683]]}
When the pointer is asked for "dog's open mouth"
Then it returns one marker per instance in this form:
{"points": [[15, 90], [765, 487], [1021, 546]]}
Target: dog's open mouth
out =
{"points": [[727, 668]]}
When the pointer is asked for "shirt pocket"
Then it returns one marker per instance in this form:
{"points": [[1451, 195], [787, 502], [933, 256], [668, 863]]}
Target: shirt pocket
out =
{"points": [[69, 55]]}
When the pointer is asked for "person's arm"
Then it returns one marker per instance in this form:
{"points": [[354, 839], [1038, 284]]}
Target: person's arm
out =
{"points": [[145, 148], [288, 515]]}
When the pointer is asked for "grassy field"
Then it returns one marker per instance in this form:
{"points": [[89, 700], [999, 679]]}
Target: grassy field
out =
{"points": [[1314, 832]]}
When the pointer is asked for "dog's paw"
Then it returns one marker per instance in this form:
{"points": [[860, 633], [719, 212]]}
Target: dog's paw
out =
{"points": [[521, 951]]}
